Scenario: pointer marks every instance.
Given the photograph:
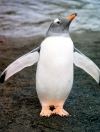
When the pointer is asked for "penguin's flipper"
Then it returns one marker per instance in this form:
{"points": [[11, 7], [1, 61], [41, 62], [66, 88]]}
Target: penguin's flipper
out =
{"points": [[19, 64], [82, 61]]}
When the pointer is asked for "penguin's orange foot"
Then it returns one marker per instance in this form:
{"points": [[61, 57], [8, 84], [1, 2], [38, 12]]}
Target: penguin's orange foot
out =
{"points": [[60, 111], [46, 112]]}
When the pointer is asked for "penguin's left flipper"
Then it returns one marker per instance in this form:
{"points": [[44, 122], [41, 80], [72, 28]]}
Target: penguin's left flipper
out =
{"points": [[24, 61], [82, 61]]}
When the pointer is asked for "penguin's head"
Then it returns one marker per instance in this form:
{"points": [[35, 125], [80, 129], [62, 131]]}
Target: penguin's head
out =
{"points": [[60, 26]]}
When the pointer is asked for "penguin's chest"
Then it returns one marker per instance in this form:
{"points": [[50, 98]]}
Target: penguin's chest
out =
{"points": [[55, 67]]}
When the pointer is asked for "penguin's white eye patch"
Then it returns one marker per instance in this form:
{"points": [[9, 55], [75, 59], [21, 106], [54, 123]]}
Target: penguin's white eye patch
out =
{"points": [[57, 21]]}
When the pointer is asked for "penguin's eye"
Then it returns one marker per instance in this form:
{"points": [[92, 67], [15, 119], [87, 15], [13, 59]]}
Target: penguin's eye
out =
{"points": [[57, 21]]}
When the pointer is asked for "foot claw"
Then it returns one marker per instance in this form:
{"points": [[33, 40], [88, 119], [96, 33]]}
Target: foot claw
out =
{"points": [[61, 112], [46, 113]]}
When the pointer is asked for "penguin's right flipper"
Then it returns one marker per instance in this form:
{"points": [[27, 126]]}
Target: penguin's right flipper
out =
{"points": [[82, 61], [24, 61]]}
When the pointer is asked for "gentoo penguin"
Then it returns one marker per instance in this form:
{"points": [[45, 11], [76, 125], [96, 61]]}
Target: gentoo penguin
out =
{"points": [[55, 58]]}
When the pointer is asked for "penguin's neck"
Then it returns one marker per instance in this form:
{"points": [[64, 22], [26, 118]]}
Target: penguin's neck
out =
{"points": [[65, 34], [56, 34]]}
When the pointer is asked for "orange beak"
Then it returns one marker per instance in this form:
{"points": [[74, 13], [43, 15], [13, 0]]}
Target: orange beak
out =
{"points": [[71, 17]]}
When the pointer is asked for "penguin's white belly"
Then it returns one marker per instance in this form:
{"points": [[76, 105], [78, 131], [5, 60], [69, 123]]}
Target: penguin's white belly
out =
{"points": [[54, 76]]}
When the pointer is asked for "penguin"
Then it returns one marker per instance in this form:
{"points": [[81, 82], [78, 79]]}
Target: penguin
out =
{"points": [[55, 58]]}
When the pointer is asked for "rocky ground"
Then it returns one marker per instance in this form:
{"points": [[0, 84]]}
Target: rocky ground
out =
{"points": [[19, 104]]}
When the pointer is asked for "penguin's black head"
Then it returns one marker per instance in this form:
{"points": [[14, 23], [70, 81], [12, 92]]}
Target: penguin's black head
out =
{"points": [[60, 26]]}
